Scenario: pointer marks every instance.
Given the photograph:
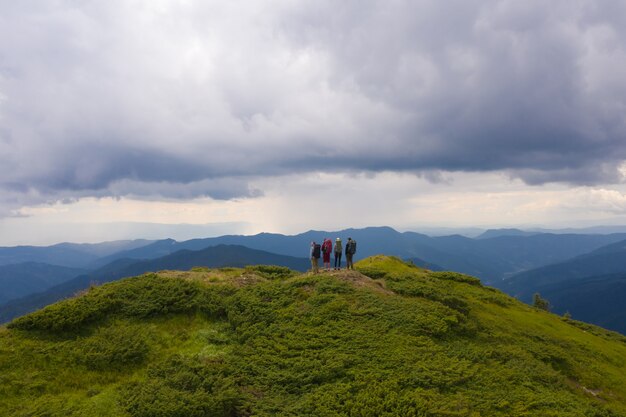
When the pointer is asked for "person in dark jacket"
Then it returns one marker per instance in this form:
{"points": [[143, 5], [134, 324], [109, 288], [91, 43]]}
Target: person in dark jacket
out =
{"points": [[350, 251], [315, 257]]}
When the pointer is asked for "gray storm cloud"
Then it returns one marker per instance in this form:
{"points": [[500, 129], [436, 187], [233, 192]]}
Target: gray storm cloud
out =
{"points": [[185, 99]]}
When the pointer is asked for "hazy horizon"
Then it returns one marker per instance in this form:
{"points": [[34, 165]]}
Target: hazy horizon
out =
{"points": [[109, 232]]}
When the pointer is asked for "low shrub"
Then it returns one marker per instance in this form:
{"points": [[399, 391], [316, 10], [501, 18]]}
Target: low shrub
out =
{"points": [[456, 276], [69, 315], [114, 347], [271, 271], [182, 387], [140, 297], [372, 272]]}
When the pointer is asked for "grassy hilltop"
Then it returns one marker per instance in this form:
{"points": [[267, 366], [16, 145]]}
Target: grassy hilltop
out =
{"points": [[389, 340]]}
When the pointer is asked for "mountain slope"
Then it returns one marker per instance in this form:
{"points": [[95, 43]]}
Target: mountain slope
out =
{"points": [[590, 287], [609, 259], [106, 248], [518, 253], [490, 233], [423, 264], [214, 257], [152, 250], [391, 340], [596, 299], [19, 280], [58, 255]]}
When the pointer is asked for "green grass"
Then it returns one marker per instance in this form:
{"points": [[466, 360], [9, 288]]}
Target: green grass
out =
{"points": [[395, 341]]}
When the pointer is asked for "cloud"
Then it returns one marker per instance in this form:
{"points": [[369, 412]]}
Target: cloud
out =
{"points": [[496, 85], [184, 99]]}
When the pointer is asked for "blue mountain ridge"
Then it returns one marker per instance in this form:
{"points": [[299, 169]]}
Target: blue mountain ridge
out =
{"points": [[491, 259], [213, 257]]}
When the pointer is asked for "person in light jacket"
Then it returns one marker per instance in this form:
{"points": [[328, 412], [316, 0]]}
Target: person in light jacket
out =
{"points": [[338, 251]]}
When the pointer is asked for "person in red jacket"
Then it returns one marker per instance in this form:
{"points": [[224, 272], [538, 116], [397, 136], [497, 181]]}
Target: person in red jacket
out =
{"points": [[327, 248]]}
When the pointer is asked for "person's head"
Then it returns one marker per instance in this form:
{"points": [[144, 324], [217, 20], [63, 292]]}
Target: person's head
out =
{"points": [[338, 240], [349, 238]]}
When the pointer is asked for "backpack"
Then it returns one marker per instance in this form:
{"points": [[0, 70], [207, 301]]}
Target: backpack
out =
{"points": [[338, 247], [316, 250], [327, 247], [353, 247]]}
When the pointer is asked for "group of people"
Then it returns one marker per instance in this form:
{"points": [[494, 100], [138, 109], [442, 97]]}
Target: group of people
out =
{"points": [[324, 251]]}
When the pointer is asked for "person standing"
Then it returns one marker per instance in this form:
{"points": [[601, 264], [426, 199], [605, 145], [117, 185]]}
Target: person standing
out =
{"points": [[315, 256], [350, 251], [338, 251], [327, 248]]}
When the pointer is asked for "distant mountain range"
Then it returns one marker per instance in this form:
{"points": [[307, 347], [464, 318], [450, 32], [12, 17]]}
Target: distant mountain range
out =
{"points": [[490, 258], [591, 287], [610, 259], [516, 261], [73, 255], [19, 280], [212, 257]]}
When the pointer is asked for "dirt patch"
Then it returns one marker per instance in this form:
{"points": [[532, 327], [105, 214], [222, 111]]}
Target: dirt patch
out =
{"points": [[593, 392], [357, 279], [247, 278]]}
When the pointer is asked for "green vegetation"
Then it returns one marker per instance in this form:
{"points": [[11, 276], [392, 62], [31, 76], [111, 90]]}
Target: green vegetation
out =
{"points": [[389, 339], [540, 302]]}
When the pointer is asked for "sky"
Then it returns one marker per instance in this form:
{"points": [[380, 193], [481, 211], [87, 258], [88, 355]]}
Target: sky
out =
{"points": [[182, 118]]}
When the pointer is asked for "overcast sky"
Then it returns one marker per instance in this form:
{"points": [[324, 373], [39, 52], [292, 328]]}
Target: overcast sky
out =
{"points": [[286, 115]]}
